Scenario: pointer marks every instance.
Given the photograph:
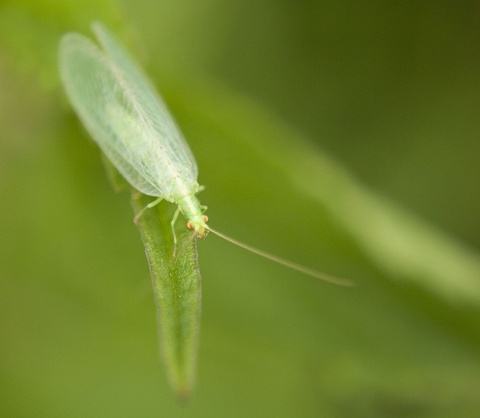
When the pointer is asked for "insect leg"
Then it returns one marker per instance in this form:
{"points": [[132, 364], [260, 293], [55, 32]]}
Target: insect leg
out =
{"points": [[173, 231], [149, 206]]}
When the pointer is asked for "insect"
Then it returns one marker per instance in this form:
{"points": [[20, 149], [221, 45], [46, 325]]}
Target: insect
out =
{"points": [[133, 127]]}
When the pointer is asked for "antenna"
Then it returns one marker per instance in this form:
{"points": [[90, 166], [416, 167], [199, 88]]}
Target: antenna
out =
{"points": [[287, 263]]}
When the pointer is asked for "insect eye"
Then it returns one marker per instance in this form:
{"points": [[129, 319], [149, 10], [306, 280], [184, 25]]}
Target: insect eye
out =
{"points": [[205, 218], [189, 225]]}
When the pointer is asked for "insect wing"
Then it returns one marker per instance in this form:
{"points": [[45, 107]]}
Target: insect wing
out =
{"points": [[152, 103], [121, 119]]}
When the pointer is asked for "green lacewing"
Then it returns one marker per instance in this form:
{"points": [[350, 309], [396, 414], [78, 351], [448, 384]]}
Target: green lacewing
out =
{"points": [[133, 127]]}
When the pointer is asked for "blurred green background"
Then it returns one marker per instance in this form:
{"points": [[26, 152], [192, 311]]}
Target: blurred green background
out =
{"points": [[343, 135]]}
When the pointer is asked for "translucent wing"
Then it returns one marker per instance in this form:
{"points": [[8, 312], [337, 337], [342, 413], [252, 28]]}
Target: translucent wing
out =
{"points": [[161, 115], [126, 117]]}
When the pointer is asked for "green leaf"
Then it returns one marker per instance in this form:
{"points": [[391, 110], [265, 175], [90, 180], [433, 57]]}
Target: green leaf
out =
{"points": [[79, 331], [404, 246], [176, 287], [175, 280]]}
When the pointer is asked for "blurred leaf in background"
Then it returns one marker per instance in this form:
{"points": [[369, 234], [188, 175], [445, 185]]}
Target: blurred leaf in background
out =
{"points": [[390, 89]]}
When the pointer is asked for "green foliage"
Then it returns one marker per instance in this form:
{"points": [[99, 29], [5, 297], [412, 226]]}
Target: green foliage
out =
{"points": [[176, 287], [392, 90], [176, 283]]}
